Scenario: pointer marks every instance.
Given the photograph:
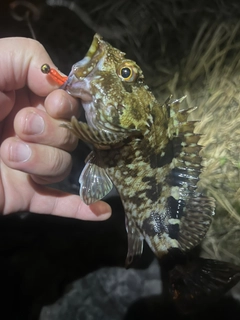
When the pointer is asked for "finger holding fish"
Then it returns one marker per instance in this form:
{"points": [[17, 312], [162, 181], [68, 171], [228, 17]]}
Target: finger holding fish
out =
{"points": [[37, 126], [60, 105], [42, 124]]}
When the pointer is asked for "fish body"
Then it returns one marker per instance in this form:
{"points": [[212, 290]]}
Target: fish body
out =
{"points": [[150, 152]]}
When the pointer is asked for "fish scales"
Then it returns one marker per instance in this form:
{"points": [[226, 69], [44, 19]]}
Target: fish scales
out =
{"points": [[150, 152]]}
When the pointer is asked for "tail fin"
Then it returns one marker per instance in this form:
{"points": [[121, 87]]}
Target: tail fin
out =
{"points": [[200, 282]]}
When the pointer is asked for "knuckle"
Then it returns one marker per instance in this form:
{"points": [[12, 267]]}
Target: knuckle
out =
{"points": [[59, 161], [68, 140]]}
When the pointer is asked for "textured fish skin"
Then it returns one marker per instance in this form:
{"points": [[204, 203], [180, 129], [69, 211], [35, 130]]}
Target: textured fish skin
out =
{"points": [[149, 151]]}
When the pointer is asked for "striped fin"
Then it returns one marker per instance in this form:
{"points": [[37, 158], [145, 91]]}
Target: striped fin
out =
{"points": [[197, 209], [101, 139], [135, 242], [94, 181]]}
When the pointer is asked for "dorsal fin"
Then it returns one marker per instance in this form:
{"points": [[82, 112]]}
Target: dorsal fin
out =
{"points": [[197, 209]]}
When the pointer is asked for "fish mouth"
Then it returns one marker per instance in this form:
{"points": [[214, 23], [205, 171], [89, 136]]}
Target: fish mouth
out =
{"points": [[78, 82]]}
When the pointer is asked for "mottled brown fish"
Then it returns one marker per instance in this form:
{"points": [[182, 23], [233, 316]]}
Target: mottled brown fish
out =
{"points": [[150, 153]]}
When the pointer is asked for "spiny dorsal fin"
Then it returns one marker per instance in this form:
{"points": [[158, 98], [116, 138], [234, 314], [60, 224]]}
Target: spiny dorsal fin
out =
{"points": [[184, 175]]}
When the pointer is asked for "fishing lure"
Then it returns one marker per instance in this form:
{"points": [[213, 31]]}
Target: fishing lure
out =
{"points": [[54, 74]]}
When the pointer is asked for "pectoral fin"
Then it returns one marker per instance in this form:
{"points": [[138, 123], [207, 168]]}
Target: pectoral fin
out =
{"points": [[94, 181], [101, 139]]}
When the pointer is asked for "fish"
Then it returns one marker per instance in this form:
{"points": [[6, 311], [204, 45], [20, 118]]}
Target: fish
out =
{"points": [[149, 151]]}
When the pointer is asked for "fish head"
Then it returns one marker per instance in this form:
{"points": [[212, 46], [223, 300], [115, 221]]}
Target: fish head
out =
{"points": [[111, 89]]}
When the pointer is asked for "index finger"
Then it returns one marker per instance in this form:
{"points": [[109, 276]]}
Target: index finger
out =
{"points": [[20, 65]]}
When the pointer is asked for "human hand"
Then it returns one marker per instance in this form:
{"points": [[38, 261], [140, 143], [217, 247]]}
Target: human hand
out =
{"points": [[34, 148]]}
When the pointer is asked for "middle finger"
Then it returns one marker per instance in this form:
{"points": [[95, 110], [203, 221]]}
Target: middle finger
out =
{"points": [[37, 126]]}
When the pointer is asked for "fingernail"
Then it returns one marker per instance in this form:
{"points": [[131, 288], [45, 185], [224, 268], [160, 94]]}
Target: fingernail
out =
{"points": [[66, 105], [34, 124], [19, 152], [65, 101]]}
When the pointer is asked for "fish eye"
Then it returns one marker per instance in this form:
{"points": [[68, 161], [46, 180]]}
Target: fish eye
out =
{"points": [[126, 73]]}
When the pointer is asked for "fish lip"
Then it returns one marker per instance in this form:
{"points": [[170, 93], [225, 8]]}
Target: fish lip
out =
{"points": [[79, 88], [78, 84]]}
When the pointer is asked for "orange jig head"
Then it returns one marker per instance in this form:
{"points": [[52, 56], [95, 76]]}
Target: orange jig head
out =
{"points": [[54, 74]]}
